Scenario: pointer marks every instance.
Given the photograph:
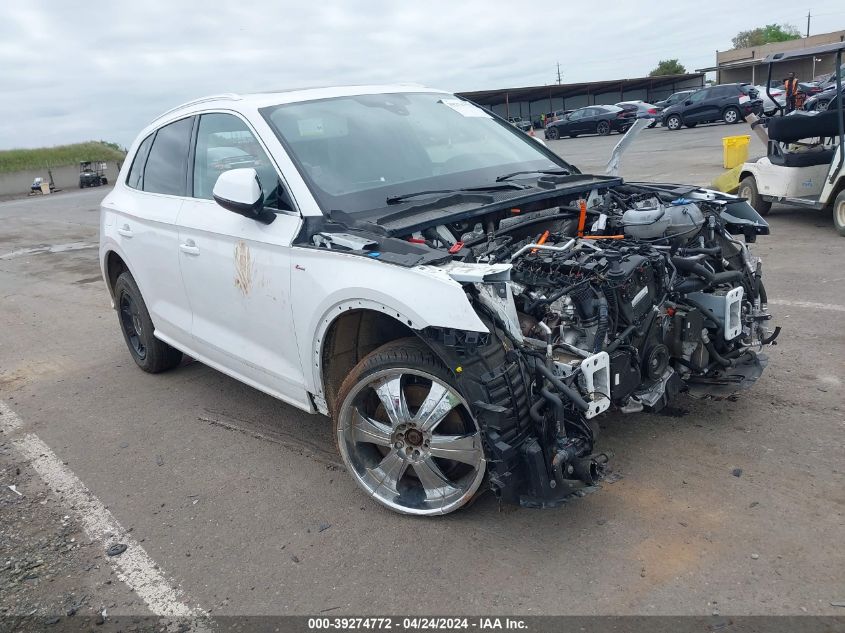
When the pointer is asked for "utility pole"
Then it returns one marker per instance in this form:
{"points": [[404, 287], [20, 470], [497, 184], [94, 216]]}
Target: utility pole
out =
{"points": [[808, 24], [558, 74]]}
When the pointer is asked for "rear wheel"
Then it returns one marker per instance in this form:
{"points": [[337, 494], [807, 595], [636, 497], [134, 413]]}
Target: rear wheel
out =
{"points": [[748, 190], [673, 122], [603, 128], [731, 115], [149, 353], [552, 133], [406, 434], [839, 213]]}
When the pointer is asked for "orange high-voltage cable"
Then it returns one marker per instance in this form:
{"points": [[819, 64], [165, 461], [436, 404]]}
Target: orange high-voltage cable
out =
{"points": [[582, 218]]}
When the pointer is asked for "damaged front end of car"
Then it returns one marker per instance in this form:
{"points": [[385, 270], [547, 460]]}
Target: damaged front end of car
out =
{"points": [[619, 297]]}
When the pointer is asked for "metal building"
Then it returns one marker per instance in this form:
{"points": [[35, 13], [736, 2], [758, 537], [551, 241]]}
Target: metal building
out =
{"points": [[531, 101]]}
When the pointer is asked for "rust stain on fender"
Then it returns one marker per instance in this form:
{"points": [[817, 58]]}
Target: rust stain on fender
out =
{"points": [[243, 267]]}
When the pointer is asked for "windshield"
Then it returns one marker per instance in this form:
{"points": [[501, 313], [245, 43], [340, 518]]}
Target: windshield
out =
{"points": [[355, 152]]}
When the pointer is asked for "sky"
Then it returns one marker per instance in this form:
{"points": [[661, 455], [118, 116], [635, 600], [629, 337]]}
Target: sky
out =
{"points": [[77, 71]]}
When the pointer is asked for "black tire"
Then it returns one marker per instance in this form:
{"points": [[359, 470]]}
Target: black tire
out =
{"points": [[552, 133], [839, 213], [603, 128], [748, 190], [674, 122], [149, 353], [691, 124], [105, 181], [731, 115], [821, 106], [406, 356]]}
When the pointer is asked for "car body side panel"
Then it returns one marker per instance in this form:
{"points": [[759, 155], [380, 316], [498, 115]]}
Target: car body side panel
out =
{"points": [[324, 284], [238, 286], [141, 228]]}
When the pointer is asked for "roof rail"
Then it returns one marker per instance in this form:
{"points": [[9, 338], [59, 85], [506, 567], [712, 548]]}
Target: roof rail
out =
{"points": [[228, 96]]}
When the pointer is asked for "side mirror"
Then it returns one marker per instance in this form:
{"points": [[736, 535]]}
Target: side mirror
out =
{"points": [[239, 191], [688, 102]]}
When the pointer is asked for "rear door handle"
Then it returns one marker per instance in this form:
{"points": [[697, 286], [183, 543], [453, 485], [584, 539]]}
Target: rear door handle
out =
{"points": [[189, 247], [125, 231]]}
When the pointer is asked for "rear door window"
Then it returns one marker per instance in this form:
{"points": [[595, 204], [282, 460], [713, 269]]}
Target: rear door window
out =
{"points": [[166, 169]]}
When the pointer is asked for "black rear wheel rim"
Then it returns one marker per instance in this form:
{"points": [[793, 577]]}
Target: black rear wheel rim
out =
{"points": [[130, 320]]}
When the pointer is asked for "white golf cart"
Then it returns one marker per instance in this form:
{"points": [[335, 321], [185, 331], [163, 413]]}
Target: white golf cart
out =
{"points": [[805, 154]]}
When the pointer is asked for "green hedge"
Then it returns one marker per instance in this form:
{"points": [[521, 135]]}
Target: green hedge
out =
{"points": [[12, 160]]}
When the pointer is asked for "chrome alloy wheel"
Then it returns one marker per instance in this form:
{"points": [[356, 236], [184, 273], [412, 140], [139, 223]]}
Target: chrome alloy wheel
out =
{"points": [[411, 443]]}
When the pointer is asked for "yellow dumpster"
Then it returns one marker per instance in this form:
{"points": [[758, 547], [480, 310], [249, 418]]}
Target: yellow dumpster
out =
{"points": [[735, 150]]}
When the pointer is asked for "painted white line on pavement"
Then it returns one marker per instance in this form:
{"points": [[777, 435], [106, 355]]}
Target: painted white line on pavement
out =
{"points": [[134, 567], [807, 304]]}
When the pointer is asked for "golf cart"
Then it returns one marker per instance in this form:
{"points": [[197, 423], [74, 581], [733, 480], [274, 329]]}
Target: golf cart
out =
{"points": [[92, 174], [805, 159]]}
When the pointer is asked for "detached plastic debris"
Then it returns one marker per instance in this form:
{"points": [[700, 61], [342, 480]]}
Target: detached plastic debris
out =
{"points": [[14, 489]]}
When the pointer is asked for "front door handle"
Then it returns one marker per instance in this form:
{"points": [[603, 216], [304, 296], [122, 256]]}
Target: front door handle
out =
{"points": [[124, 230], [189, 247]]}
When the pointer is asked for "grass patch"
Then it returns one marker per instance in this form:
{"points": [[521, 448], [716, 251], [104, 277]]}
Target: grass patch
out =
{"points": [[12, 160]]}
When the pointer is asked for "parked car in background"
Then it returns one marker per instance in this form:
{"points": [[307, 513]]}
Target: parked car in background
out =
{"points": [[771, 107], [730, 103], [557, 115], [676, 97], [642, 110], [821, 101], [598, 119], [519, 122]]}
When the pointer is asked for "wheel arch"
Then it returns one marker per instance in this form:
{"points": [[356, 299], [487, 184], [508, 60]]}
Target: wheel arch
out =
{"points": [[746, 173], [838, 188], [356, 328], [114, 264]]}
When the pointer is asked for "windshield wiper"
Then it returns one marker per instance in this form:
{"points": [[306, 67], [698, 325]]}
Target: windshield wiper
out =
{"points": [[560, 171], [431, 192]]}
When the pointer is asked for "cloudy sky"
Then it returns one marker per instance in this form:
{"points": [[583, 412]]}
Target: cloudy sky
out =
{"points": [[74, 71]]}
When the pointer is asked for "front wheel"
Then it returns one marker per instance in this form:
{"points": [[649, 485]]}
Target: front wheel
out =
{"points": [[149, 353], [673, 122], [839, 213], [731, 115], [748, 190], [406, 434], [603, 128], [552, 133]]}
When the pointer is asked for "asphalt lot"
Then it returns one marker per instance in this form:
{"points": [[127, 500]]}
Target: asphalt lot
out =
{"points": [[228, 489]]}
